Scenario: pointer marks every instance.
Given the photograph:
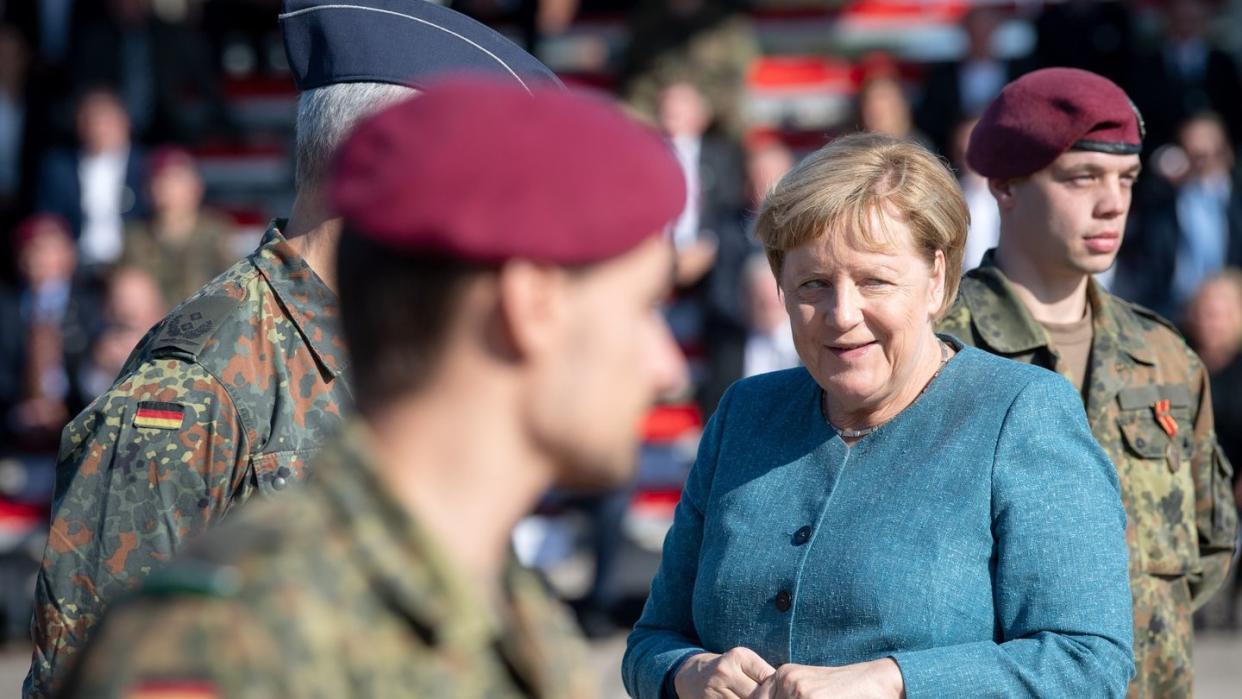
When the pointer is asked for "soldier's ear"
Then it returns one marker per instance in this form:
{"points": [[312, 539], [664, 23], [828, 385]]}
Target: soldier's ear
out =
{"points": [[531, 306], [1002, 191]]}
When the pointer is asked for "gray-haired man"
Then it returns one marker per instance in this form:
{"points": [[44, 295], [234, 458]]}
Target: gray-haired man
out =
{"points": [[231, 393]]}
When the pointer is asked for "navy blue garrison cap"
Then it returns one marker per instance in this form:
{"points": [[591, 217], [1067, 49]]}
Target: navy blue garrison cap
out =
{"points": [[404, 42]]}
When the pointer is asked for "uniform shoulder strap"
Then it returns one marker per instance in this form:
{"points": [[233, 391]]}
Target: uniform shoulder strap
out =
{"points": [[1148, 314], [191, 325]]}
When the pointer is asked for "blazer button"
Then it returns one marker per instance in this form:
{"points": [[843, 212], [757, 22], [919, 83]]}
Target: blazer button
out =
{"points": [[802, 536], [279, 483], [783, 601]]}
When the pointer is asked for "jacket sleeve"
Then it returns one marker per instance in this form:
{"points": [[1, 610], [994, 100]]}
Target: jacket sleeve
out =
{"points": [[665, 635], [1216, 516], [1060, 576], [129, 490]]}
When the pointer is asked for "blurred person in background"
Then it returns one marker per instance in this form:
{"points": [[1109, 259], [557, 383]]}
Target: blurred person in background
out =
{"points": [[882, 105], [1189, 221], [1060, 148], [769, 340], [713, 169], [158, 68], [502, 279], [1185, 74], [49, 323], [807, 555], [957, 90], [1094, 35], [708, 42], [182, 245], [238, 388], [1213, 324], [97, 186], [728, 320], [14, 148], [984, 230], [132, 304]]}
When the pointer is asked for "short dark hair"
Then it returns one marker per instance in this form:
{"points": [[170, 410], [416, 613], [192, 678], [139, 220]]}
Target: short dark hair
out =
{"points": [[396, 310]]}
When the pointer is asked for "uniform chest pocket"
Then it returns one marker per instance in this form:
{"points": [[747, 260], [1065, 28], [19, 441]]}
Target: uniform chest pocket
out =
{"points": [[1155, 423], [1153, 464], [278, 472]]}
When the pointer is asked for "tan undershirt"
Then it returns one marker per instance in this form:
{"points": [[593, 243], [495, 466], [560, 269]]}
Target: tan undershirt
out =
{"points": [[1072, 341]]}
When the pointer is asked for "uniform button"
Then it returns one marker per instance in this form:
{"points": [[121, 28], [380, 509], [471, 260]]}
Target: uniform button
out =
{"points": [[802, 536], [283, 472], [783, 601], [279, 483]]}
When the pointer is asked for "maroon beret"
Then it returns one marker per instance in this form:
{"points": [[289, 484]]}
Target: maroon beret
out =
{"points": [[485, 171], [1042, 114]]}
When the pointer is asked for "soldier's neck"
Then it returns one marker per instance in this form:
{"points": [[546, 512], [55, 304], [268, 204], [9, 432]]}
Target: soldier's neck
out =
{"points": [[462, 470], [1051, 297], [313, 234]]}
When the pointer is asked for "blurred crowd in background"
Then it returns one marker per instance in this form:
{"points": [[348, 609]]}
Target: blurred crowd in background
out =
{"points": [[144, 144]]}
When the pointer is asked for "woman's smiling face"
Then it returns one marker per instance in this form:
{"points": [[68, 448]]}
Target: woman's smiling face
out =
{"points": [[862, 319]]}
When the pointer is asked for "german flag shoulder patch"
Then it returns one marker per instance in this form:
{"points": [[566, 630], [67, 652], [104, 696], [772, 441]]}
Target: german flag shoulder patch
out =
{"points": [[160, 416]]}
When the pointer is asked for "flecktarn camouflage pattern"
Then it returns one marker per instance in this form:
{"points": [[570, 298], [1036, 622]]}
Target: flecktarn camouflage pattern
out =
{"points": [[336, 592], [1149, 406], [227, 397]]}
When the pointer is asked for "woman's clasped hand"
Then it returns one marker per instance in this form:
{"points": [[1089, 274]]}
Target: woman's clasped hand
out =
{"points": [[740, 672]]}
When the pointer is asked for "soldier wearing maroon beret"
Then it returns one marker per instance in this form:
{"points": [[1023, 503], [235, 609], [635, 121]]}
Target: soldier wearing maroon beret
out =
{"points": [[1060, 150], [230, 396], [500, 272]]}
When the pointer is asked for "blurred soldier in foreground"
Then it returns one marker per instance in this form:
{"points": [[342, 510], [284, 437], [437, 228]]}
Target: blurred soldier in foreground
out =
{"points": [[237, 387], [500, 287], [1060, 150]]}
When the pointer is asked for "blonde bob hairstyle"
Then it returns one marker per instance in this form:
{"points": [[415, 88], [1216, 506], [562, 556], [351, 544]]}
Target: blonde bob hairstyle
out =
{"points": [[846, 187]]}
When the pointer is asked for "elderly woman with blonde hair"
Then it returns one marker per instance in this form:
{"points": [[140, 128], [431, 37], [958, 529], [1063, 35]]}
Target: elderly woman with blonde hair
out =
{"points": [[903, 515]]}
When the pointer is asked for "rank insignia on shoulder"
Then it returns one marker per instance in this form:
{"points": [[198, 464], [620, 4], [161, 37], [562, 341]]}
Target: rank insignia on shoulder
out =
{"points": [[172, 689], [160, 416]]}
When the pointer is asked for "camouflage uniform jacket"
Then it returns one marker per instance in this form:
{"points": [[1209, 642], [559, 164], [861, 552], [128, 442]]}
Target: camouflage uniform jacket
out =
{"points": [[225, 397], [334, 591], [1175, 481]]}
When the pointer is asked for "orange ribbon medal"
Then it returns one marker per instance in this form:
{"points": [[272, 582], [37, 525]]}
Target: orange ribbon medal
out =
{"points": [[1167, 423]]}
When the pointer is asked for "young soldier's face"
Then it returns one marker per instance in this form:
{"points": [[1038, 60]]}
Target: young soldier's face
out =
{"points": [[1069, 218], [615, 359]]}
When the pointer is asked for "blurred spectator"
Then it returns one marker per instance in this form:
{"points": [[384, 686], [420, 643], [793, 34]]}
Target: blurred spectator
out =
{"points": [[245, 35], [14, 60], [1185, 75], [1214, 327], [48, 324], [157, 68], [133, 304], [97, 187], [712, 167], [984, 231], [729, 298], [769, 340], [183, 246], [1094, 35], [884, 109], [959, 89], [48, 26], [1189, 223], [707, 42]]}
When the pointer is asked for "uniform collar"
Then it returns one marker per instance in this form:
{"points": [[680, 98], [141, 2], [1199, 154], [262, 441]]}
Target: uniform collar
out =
{"points": [[1006, 325], [309, 303]]}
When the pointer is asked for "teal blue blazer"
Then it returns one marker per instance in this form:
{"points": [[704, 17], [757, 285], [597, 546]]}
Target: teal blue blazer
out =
{"points": [[978, 539]]}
